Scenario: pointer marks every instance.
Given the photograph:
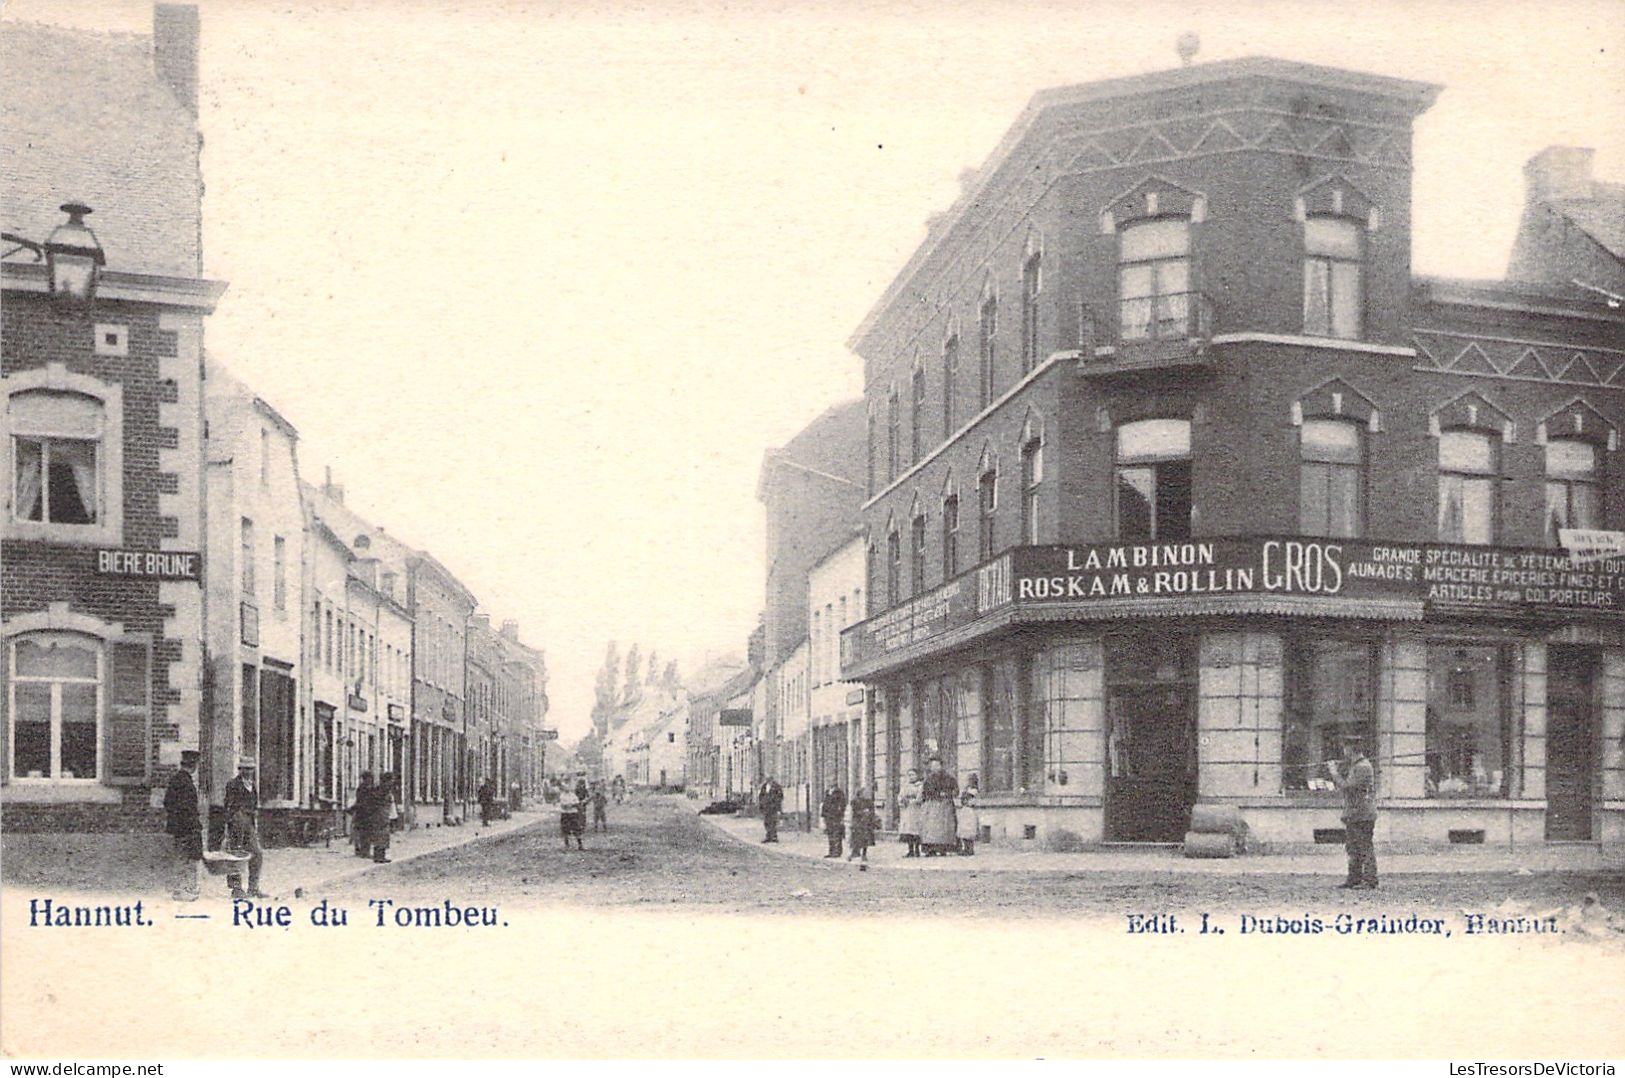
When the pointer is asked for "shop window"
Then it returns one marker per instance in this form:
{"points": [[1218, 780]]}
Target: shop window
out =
{"points": [[1031, 281], [1154, 480], [1154, 279], [999, 746], [1468, 464], [1572, 491], [248, 729], [1329, 697], [950, 536], [55, 707], [1032, 474], [987, 331], [1332, 479], [950, 385], [1467, 734], [1332, 296]]}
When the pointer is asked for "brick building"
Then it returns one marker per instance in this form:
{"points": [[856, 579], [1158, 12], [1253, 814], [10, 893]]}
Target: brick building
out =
{"points": [[1177, 476], [1573, 227], [101, 546]]}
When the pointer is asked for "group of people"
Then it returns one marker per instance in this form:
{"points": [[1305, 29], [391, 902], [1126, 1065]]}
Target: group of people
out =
{"points": [[373, 815], [574, 801], [934, 819], [183, 820]]}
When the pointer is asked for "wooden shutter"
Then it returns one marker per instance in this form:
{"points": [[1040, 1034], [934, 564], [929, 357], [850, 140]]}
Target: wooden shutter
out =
{"points": [[128, 739]]}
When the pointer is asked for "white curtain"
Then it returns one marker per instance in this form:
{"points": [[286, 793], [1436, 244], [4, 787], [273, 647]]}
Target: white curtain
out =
{"points": [[81, 460], [28, 505]]}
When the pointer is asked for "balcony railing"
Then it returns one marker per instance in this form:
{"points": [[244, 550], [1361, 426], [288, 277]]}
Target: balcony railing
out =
{"points": [[1149, 331]]}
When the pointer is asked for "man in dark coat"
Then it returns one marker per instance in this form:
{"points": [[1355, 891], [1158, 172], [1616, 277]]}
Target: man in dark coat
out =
{"points": [[1358, 781], [771, 802], [184, 824], [833, 811], [242, 805], [488, 801]]}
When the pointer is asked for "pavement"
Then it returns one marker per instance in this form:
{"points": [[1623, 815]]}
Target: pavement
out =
{"points": [[314, 868], [1326, 860]]}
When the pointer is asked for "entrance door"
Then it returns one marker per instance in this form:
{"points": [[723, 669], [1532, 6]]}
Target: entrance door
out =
{"points": [[1151, 782], [1570, 743]]}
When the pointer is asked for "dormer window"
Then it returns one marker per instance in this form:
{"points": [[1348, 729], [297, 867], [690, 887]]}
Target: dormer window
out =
{"points": [[1154, 274], [1333, 295]]}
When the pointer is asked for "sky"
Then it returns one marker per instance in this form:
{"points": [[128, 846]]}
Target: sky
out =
{"points": [[541, 282]]}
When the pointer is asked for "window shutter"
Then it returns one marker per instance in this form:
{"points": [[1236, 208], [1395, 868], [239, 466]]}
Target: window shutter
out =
{"points": [[128, 714]]}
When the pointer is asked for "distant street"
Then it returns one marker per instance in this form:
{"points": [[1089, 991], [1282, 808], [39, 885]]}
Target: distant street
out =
{"points": [[659, 853]]}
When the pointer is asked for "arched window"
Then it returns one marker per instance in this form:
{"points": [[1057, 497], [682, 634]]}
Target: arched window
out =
{"points": [[1573, 498], [950, 385], [988, 331], [1031, 282], [1469, 462], [916, 411], [56, 706], [1154, 480], [917, 551], [950, 532], [1032, 475], [894, 421], [1154, 270], [1331, 492], [894, 567], [1333, 299], [987, 504]]}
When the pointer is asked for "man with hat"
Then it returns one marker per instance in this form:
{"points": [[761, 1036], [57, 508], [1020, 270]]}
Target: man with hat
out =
{"points": [[184, 824], [1358, 781], [243, 828]]}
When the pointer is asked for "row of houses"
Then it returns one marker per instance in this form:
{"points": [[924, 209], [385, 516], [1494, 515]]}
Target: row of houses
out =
{"points": [[169, 578], [1170, 476]]}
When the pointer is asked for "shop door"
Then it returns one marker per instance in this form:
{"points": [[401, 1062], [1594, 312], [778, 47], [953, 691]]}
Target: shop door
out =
{"points": [[1151, 772], [1570, 743]]}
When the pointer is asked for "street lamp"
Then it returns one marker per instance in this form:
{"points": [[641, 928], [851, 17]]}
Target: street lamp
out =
{"points": [[73, 257]]}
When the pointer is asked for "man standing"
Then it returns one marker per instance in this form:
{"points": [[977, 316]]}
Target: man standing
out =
{"points": [[242, 807], [185, 826], [771, 801], [1358, 781], [488, 801], [833, 811]]}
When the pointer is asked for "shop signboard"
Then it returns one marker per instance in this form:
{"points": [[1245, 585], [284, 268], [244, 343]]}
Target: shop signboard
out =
{"points": [[150, 564], [734, 716], [1442, 578]]}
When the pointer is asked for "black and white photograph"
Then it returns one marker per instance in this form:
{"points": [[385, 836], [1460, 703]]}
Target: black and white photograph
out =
{"points": [[690, 530]]}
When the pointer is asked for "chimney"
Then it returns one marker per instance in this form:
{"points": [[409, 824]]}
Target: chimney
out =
{"points": [[174, 50], [329, 488], [510, 631], [1559, 172]]}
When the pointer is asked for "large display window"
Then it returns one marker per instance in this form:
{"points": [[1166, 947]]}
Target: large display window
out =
{"points": [[1468, 739], [1330, 695]]}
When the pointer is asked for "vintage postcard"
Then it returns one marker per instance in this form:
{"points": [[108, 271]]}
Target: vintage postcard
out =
{"points": [[813, 531]]}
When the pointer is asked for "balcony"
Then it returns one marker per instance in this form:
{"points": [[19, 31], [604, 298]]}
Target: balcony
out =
{"points": [[1149, 333]]}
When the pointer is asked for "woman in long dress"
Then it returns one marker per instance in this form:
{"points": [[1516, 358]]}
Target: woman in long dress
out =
{"points": [[908, 816], [938, 794]]}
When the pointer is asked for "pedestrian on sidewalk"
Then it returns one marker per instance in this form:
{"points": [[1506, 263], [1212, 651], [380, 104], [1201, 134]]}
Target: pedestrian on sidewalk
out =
{"points": [[1358, 781], [184, 823], [908, 812], [488, 801], [242, 806], [938, 795], [572, 817], [771, 801], [864, 824], [970, 822], [372, 803], [358, 831], [600, 807], [833, 811]]}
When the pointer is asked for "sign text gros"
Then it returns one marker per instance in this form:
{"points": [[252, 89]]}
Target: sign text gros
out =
{"points": [[1298, 567]]}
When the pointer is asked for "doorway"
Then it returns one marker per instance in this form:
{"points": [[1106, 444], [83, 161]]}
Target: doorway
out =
{"points": [[1151, 738], [1571, 673]]}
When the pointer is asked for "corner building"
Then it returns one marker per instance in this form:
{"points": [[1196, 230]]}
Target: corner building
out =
{"points": [[1177, 475]]}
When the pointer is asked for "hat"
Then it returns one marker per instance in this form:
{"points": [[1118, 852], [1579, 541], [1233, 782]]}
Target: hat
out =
{"points": [[189, 756], [246, 764]]}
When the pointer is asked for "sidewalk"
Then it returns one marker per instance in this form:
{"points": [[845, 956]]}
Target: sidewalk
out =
{"points": [[1323, 861], [310, 868]]}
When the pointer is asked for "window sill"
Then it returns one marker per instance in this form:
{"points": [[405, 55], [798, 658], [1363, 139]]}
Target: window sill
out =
{"points": [[62, 534], [44, 792]]}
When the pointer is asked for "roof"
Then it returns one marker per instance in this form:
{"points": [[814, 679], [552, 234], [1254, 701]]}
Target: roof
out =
{"points": [[84, 116], [1602, 216], [1405, 93], [221, 383], [831, 447]]}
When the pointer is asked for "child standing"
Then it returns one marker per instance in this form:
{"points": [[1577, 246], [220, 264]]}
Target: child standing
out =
{"points": [[864, 825], [969, 823]]}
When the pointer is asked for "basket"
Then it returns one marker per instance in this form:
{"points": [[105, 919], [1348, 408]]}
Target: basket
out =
{"points": [[224, 862]]}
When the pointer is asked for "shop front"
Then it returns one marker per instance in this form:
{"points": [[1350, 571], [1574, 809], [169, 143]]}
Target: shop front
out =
{"points": [[1095, 694]]}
